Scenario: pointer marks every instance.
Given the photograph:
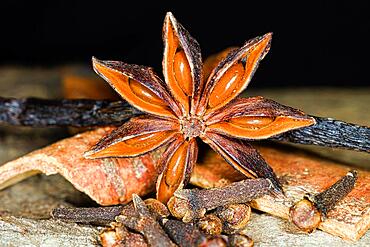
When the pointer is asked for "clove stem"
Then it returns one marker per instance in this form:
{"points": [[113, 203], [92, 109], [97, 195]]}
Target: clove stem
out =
{"points": [[98, 216], [327, 199]]}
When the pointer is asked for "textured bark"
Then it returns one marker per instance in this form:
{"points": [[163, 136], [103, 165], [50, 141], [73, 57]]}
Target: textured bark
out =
{"points": [[108, 181]]}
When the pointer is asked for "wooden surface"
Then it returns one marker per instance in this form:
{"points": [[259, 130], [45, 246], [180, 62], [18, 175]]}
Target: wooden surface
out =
{"points": [[349, 104]]}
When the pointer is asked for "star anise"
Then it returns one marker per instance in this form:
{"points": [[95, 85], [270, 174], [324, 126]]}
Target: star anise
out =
{"points": [[185, 107]]}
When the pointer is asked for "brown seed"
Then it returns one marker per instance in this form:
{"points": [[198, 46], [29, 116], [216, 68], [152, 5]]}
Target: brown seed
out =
{"points": [[226, 85], [183, 73], [210, 224]]}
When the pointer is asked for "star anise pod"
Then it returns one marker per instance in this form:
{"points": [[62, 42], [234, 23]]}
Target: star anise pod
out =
{"points": [[186, 107]]}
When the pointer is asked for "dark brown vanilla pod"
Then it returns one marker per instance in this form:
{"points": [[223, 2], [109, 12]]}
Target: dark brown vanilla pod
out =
{"points": [[98, 216], [37, 112], [330, 133], [308, 213]]}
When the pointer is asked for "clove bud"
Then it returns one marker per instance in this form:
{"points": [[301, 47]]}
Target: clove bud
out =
{"points": [[188, 235], [308, 213], [117, 235], [145, 222], [234, 217], [210, 224], [190, 204]]}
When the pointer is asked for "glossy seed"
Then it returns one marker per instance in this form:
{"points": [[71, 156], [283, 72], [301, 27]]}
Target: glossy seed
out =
{"points": [[145, 140], [182, 72], [252, 122], [227, 85], [145, 94], [137, 145], [176, 166]]}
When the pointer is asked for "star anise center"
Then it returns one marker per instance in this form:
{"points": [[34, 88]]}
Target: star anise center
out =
{"points": [[192, 126]]}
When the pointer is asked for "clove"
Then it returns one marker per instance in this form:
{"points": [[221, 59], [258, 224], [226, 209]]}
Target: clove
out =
{"points": [[144, 222], [118, 235], [210, 224], [234, 217], [188, 235], [190, 204], [308, 213]]}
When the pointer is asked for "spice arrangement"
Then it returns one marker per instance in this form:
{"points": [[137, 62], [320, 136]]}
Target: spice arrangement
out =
{"points": [[160, 139]]}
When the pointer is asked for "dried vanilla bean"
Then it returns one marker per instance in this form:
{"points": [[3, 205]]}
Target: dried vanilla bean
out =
{"points": [[308, 213], [190, 204], [67, 112], [98, 216], [84, 113], [330, 133]]}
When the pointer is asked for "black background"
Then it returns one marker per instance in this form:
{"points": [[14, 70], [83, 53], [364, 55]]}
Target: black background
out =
{"points": [[318, 43]]}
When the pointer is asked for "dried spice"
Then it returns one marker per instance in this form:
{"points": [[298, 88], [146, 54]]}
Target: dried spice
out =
{"points": [[36, 112], [190, 204], [308, 213], [118, 235], [98, 216], [210, 224], [234, 217], [78, 113], [185, 107], [145, 222]]}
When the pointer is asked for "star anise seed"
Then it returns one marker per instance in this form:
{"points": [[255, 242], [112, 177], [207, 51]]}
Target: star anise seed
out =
{"points": [[185, 107]]}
